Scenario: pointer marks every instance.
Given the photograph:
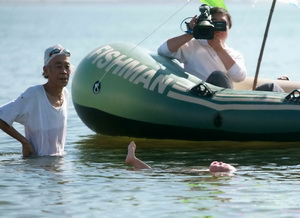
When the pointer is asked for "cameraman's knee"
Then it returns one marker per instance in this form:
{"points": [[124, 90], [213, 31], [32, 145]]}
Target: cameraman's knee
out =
{"points": [[219, 78]]}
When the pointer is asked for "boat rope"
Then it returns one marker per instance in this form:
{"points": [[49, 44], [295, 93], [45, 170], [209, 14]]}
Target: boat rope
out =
{"points": [[163, 23], [157, 28]]}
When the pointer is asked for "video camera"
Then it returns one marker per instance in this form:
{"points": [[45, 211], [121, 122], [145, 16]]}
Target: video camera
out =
{"points": [[205, 27]]}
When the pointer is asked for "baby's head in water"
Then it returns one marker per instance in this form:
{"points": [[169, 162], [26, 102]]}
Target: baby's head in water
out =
{"points": [[217, 166]]}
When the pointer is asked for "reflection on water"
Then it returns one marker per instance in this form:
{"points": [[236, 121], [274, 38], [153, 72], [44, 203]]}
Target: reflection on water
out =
{"points": [[120, 142], [262, 155], [53, 164]]}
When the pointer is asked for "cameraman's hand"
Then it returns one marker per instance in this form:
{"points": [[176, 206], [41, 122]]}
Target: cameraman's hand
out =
{"points": [[216, 44], [193, 22]]}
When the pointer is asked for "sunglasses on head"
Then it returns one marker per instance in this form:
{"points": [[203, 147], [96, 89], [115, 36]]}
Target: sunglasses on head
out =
{"points": [[60, 51]]}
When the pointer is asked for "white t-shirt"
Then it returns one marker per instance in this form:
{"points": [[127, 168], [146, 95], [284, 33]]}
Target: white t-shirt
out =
{"points": [[45, 125], [201, 60]]}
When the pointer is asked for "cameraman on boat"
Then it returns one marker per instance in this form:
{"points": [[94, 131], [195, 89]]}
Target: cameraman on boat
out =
{"points": [[203, 51]]}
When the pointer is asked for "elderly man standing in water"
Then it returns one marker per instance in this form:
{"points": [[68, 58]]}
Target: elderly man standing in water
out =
{"points": [[42, 109]]}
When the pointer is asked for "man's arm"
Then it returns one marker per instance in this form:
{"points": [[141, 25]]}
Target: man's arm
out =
{"points": [[235, 67], [26, 146], [175, 43], [218, 46]]}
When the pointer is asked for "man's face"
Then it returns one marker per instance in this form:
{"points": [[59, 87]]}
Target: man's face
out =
{"points": [[59, 70], [221, 34], [217, 166]]}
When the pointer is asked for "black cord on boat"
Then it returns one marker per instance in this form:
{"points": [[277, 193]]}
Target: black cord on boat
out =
{"points": [[187, 24]]}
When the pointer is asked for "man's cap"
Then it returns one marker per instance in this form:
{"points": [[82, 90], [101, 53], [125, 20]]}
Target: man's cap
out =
{"points": [[54, 51]]}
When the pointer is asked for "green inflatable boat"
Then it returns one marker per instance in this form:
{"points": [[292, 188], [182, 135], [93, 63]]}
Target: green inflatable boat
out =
{"points": [[124, 90]]}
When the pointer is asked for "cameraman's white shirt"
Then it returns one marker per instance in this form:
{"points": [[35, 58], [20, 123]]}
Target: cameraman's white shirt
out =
{"points": [[201, 60], [45, 125]]}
